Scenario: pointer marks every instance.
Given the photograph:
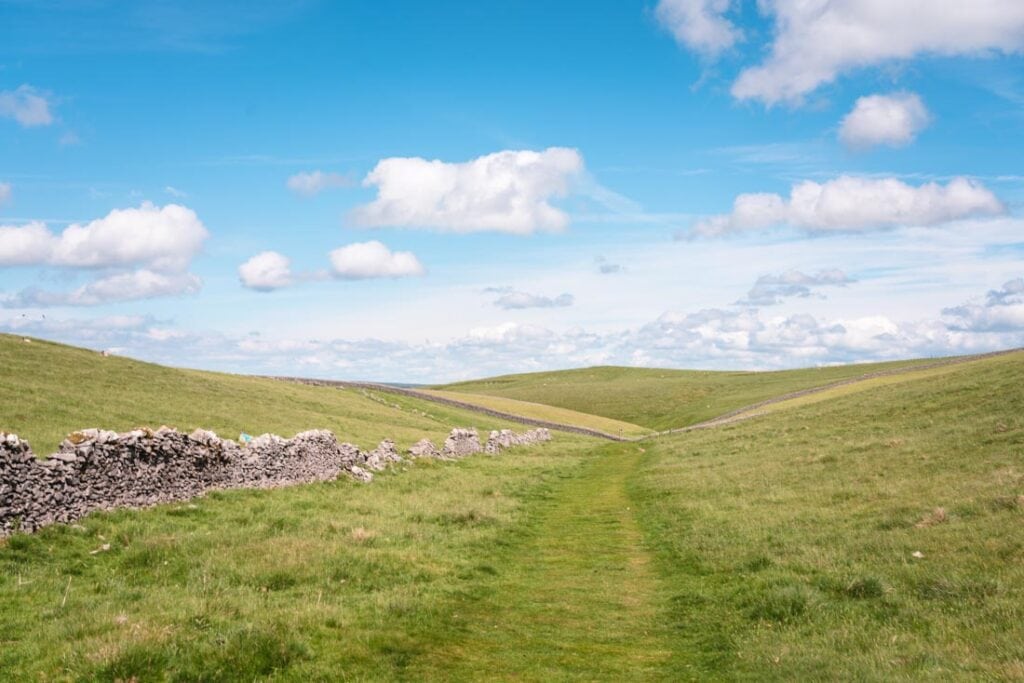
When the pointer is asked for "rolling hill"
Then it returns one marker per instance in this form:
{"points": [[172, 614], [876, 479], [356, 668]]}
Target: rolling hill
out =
{"points": [[870, 531], [661, 399], [50, 390]]}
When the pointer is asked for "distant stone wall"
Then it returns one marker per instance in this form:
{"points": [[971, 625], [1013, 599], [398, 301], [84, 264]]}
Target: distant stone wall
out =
{"points": [[96, 469]]}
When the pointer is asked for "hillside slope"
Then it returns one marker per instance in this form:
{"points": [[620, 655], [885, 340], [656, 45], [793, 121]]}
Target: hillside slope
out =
{"points": [[50, 389], [661, 399], [870, 534], [540, 411]]}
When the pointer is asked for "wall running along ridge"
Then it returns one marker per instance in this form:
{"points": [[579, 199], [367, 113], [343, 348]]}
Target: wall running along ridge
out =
{"points": [[96, 469]]}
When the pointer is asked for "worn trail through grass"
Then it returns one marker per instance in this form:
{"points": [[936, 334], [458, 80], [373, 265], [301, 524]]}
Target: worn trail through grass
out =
{"points": [[578, 600]]}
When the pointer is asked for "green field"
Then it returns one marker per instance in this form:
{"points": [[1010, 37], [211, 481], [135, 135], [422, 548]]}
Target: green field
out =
{"points": [[50, 390], [541, 411], [869, 532], [661, 399]]}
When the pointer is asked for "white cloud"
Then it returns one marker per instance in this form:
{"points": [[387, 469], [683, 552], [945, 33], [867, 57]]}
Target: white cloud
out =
{"points": [[159, 238], [26, 105], [699, 24], [372, 259], [709, 338], [506, 333], [513, 299], [5, 193], [855, 204], [507, 191], [769, 290], [29, 244], [266, 271], [1001, 311], [175, 192], [314, 182], [893, 120], [817, 41], [128, 286]]}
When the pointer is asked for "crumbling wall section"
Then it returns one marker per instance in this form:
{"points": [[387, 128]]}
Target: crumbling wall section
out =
{"points": [[95, 469]]}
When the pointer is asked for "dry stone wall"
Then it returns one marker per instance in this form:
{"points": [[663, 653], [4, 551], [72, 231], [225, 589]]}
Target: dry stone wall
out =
{"points": [[95, 469]]}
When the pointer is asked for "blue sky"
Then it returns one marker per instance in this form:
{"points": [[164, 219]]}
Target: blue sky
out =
{"points": [[428, 191]]}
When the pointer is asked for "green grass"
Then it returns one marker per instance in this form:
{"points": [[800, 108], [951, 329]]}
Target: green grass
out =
{"points": [[660, 399], [778, 548], [320, 582], [786, 543], [540, 411], [575, 599], [50, 390]]}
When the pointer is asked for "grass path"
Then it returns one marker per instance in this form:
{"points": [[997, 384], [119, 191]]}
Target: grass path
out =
{"points": [[578, 599]]}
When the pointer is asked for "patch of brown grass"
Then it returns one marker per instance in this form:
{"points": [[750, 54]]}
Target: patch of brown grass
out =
{"points": [[936, 516], [361, 534]]}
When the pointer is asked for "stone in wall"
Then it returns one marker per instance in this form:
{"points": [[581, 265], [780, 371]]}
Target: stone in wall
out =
{"points": [[424, 448], [460, 443], [383, 455]]}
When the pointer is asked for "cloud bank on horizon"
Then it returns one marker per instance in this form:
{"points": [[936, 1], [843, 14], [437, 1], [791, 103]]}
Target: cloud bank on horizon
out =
{"points": [[744, 183]]}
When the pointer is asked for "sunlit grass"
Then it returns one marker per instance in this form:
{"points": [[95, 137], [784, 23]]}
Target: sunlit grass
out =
{"points": [[660, 399], [808, 544], [540, 411]]}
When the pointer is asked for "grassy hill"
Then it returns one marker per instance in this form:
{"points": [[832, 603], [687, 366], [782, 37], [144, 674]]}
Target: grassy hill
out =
{"points": [[661, 399], [51, 389], [540, 411], [869, 532], [870, 535]]}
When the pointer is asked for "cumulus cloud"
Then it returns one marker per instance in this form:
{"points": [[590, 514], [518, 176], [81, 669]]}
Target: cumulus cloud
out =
{"points": [[1001, 311], [851, 203], [266, 271], [128, 286], [709, 338], [817, 41], [769, 290], [373, 259], [26, 105], [699, 24], [893, 120], [159, 238], [311, 183], [513, 299], [5, 193], [508, 191]]}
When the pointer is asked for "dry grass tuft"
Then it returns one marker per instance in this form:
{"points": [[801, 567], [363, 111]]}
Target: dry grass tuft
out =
{"points": [[936, 516], [361, 534]]}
